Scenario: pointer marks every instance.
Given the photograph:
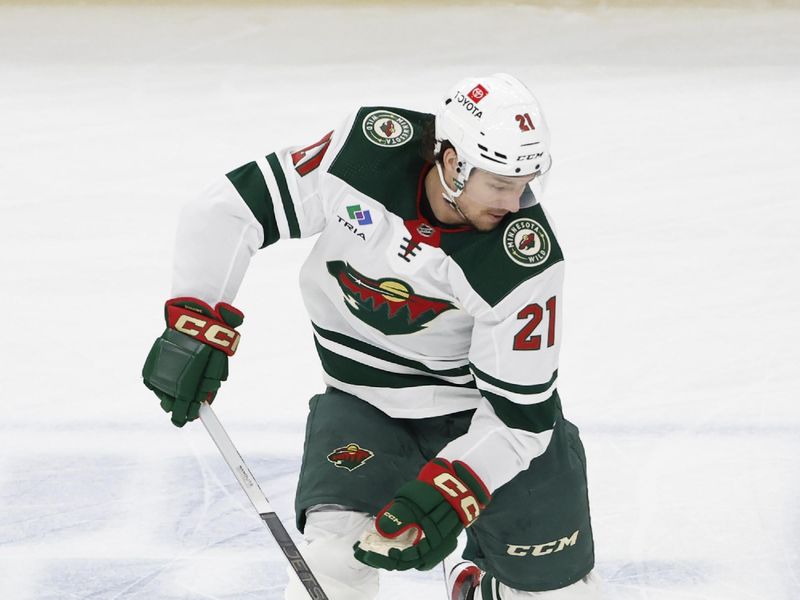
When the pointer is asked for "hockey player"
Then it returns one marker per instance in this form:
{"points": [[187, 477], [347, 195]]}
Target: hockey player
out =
{"points": [[435, 295]]}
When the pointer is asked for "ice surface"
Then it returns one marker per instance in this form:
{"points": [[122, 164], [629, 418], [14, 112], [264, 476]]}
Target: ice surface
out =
{"points": [[674, 191]]}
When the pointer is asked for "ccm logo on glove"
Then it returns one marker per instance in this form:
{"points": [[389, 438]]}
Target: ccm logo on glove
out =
{"points": [[455, 489], [444, 476], [214, 333]]}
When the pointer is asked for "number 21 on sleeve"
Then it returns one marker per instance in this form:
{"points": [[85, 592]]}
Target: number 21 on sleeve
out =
{"points": [[525, 338]]}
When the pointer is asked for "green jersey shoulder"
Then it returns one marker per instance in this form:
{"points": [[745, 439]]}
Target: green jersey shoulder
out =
{"points": [[520, 248], [382, 156]]}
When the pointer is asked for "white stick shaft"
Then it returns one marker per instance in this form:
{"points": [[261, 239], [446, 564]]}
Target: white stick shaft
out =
{"points": [[234, 459], [260, 502]]}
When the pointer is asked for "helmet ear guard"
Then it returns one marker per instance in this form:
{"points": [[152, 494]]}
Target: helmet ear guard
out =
{"points": [[463, 170]]}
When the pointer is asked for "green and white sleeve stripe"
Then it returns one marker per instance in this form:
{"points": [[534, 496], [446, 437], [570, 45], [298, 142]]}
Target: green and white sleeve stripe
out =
{"points": [[263, 187], [527, 407]]}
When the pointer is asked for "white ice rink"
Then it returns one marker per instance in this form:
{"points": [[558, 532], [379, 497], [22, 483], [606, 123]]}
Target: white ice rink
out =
{"points": [[675, 192]]}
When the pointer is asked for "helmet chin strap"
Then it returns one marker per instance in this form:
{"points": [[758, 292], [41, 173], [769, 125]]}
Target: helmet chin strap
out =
{"points": [[449, 195]]}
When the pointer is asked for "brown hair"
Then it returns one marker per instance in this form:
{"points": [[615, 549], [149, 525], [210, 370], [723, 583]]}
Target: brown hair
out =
{"points": [[428, 140]]}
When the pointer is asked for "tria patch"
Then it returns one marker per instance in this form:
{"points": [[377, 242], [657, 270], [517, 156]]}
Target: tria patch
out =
{"points": [[350, 457], [357, 219], [362, 217], [388, 129], [526, 242], [389, 304]]}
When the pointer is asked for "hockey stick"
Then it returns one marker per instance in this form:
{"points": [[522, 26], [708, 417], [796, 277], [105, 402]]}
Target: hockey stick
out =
{"points": [[260, 502]]}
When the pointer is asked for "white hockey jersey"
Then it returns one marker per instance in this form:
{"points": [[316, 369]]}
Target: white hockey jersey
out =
{"points": [[416, 318]]}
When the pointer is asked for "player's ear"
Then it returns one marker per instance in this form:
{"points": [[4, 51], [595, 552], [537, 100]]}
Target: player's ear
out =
{"points": [[450, 162]]}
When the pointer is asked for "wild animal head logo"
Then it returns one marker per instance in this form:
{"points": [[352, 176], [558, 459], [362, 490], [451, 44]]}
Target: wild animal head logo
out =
{"points": [[350, 457], [388, 128], [527, 241], [389, 305]]}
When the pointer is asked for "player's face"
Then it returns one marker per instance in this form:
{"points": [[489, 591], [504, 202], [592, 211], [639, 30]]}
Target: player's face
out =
{"points": [[487, 198]]}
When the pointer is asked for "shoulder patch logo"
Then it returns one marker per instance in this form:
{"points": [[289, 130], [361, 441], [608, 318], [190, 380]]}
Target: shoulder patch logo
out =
{"points": [[388, 129], [526, 242], [350, 457]]}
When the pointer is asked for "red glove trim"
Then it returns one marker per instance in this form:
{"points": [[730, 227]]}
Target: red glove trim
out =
{"points": [[440, 475], [204, 324], [385, 512]]}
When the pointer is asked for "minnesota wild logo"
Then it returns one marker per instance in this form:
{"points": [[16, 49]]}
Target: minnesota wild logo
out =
{"points": [[350, 457], [386, 128], [526, 242], [387, 304]]}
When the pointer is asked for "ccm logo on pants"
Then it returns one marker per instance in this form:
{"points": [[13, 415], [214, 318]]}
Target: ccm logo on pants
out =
{"points": [[543, 549]]}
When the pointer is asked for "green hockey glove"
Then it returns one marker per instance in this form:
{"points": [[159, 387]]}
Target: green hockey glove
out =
{"points": [[420, 526], [189, 361]]}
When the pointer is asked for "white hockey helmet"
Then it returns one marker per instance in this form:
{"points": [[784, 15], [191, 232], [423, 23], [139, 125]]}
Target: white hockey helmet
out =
{"points": [[496, 124]]}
